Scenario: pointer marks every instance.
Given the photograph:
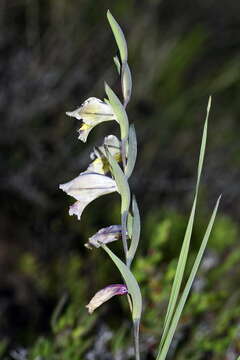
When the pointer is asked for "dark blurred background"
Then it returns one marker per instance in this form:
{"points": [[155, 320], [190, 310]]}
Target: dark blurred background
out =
{"points": [[54, 55]]}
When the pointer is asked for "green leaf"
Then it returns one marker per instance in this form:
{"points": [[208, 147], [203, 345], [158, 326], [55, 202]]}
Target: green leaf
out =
{"points": [[131, 283], [119, 111], [126, 80], [136, 228], [119, 37], [117, 63], [130, 225], [163, 352], [186, 242], [132, 151], [121, 181]]}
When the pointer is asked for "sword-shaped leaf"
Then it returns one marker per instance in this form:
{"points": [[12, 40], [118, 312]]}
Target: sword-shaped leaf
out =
{"points": [[186, 242], [132, 151], [131, 283], [121, 181], [136, 228], [119, 37], [169, 336], [119, 111]]}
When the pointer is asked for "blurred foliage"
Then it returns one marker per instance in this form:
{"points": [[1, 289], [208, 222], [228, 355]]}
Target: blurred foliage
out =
{"points": [[210, 324], [55, 54]]}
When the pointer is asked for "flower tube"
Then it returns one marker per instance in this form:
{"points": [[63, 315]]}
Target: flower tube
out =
{"points": [[105, 294]]}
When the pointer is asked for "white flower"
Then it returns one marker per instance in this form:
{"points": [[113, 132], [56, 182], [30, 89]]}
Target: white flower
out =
{"points": [[92, 112], [100, 164], [105, 294], [86, 188]]}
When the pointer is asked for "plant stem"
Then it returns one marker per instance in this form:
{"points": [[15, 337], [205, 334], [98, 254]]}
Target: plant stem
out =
{"points": [[124, 230], [123, 153], [136, 324]]}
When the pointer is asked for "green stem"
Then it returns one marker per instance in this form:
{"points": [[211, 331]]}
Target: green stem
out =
{"points": [[136, 324], [123, 153], [124, 230]]}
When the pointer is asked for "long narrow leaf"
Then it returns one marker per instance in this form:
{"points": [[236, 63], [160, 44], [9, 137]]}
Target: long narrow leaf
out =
{"points": [[124, 190], [164, 350], [119, 111], [136, 228], [121, 181], [130, 225], [131, 283], [132, 151], [119, 37], [186, 242]]}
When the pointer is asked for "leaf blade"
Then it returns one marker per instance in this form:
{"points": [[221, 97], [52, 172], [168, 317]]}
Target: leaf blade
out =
{"points": [[121, 181], [119, 111], [187, 237], [163, 352], [132, 151], [131, 283], [119, 37], [136, 229]]}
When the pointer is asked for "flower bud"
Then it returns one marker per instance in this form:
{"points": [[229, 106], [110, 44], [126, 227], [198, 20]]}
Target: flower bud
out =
{"points": [[105, 236], [105, 294]]}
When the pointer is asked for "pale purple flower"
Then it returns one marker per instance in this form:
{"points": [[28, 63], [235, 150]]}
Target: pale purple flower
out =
{"points": [[92, 112], [105, 236], [105, 294], [85, 188]]}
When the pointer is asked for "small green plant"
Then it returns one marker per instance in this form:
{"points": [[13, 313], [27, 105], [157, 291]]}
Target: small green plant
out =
{"points": [[112, 165]]}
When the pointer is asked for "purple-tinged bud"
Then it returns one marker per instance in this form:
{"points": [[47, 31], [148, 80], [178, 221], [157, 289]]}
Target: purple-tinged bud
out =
{"points": [[105, 294], [105, 236]]}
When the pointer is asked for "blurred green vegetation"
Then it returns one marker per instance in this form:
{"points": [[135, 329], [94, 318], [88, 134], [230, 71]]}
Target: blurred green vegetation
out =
{"points": [[55, 54], [209, 325]]}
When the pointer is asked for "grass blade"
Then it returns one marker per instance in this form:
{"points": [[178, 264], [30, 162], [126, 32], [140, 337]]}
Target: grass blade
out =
{"points": [[164, 350], [186, 242]]}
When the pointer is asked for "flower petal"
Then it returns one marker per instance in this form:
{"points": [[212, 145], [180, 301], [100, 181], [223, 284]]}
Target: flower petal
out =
{"points": [[84, 131], [100, 163], [105, 294], [93, 111], [86, 188]]}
